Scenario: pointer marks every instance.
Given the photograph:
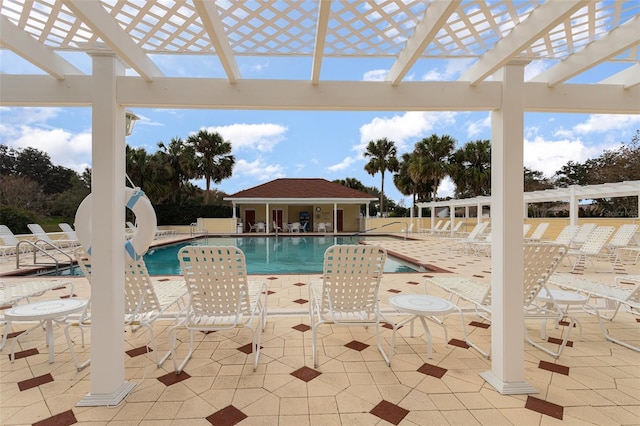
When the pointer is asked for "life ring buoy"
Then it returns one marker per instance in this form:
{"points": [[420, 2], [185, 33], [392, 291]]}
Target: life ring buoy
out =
{"points": [[143, 236]]}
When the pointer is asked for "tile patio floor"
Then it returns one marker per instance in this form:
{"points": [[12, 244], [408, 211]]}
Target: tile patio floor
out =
{"points": [[593, 382]]}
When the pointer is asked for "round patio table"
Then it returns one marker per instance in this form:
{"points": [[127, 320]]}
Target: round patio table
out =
{"points": [[47, 311], [424, 307], [562, 298]]}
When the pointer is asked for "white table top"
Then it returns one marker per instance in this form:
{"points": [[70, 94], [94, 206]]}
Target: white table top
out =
{"points": [[421, 304], [562, 297], [45, 309]]}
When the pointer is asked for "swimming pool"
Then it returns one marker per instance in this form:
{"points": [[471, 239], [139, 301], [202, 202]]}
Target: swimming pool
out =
{"points": [[266, 255]]}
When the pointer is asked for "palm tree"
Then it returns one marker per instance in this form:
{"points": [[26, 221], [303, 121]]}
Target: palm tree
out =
{"points": [[382, 153], [181, 160], [402, 179], [214, 159], [431, 161], [471, 169]]}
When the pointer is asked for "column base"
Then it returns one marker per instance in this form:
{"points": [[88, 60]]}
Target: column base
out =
{"points": [[509, 388], [107, 399]]}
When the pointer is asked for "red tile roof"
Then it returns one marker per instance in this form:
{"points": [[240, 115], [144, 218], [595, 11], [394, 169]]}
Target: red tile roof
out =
{"points": [[301, 188]]}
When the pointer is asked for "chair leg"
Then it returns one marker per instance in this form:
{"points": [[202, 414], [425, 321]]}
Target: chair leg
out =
{"points": [[172, 350], [610, 338], [79, 367]]}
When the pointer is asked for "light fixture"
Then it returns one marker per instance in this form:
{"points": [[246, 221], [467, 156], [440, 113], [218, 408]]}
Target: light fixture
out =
{"points": [[130, 122]]}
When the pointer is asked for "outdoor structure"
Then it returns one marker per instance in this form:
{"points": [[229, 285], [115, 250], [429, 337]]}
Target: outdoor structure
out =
{"points": [[311, 202], [572, 194], [494, 42]]}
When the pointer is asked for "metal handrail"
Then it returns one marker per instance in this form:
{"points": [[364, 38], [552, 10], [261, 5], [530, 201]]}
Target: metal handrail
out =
{"points": [[36, 248]]}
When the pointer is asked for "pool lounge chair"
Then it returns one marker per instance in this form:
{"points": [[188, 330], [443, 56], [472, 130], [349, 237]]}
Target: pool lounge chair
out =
{"points": [[9, 242], [538, 233], [43, 239], [591, 248], [220, 297], [473, 296], [619, 295], [347, 295]]}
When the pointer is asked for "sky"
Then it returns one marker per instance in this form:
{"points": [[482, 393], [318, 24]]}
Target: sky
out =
{"points": [[302, 144]]}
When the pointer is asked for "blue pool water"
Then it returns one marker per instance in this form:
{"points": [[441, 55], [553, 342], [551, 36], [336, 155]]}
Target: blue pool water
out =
{"points": [[266, 255]]}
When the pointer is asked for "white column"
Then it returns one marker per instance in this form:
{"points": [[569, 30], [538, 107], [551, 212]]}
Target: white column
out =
{"points": [[267, 224], [574, 208], [433, 217], [335, 217], [233, 215], [507, 197], [452, 218], [108, 386]]}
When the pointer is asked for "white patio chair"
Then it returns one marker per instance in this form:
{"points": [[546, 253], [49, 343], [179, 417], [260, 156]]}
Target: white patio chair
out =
{"points": [[473, 296], [10, 242], [68, 231], [437, 226], [538, 233], [260, 227], [443, 230], [582, 235], [473, 236], [566, 235], [42, 238], [347, 295], [591, 248], [276, 228], [144, 303], [615, 296], [220, 296], [620, 241]]}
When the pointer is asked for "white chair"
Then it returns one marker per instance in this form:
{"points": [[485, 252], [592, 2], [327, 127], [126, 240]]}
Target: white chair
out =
{"points": [[322, 227], [591, 248], [347, 295], [144, 303], [220, 296], [473, 296], [276, 228], [42, 238], [538, 233], [68, 231], [617, 296], [620, 241], [582, 235], [260, 227]]}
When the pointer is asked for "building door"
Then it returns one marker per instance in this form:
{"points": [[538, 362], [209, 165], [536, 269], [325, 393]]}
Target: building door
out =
{"points": [[249, 219], [277, 215], [340, 220]]}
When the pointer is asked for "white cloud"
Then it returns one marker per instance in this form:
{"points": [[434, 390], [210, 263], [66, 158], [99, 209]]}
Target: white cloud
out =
{"points": [[258, 170], [446, 188], [375, 75], [261, 137], [344, 164], [549, 156], [405, 129], [601, 123], [477, 127]]}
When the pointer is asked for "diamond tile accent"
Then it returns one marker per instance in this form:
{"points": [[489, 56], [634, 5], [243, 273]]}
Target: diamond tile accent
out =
{"points": [[228, 416], [390, 412], [393, 290], [459, 343], [544, 407], [413, 282], [306, 374], [269, 292], [138, 351], [301, 301], [301, 327], [357, 346], [24, 354], [272, 278], [556, 368], [566, 323], [66, 296], [173, 378], [432, 370], [480, 324], [299, 284], [62, 419], [15, 334], [478, 276], [559, 341], [35, 382], [247, 349]]}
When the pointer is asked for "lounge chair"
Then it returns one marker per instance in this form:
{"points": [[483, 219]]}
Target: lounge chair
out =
{"points": [[538, 233], [621, 294], [435, 227], [12, 294], [10, 242], [43, 239], [347, 295], [68, 231], [473, 236], [582, 235], [620, 241], [591, 248], [473, 296], [220, 297], [443, 230], [145, 302], [566, 235]]}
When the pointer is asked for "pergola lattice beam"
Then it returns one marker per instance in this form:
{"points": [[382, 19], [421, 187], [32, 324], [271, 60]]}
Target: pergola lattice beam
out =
{"points": [[27, 47], [628, 78], [541, 20], [324, 11], [612, 44], [96, 17], [435, 17], [215, 28]]}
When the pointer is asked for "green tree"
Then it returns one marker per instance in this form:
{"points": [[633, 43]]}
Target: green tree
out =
{"points": [[181, 160], [214, 160], [470, 169], [430, 162], [534, 180], [382, 157]]}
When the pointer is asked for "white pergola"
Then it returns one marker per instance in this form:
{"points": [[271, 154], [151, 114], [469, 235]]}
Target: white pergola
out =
{"points": [[498, 39], [573, 194]]}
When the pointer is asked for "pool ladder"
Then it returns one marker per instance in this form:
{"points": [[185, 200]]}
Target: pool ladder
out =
{"points": [[36, 248]]}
